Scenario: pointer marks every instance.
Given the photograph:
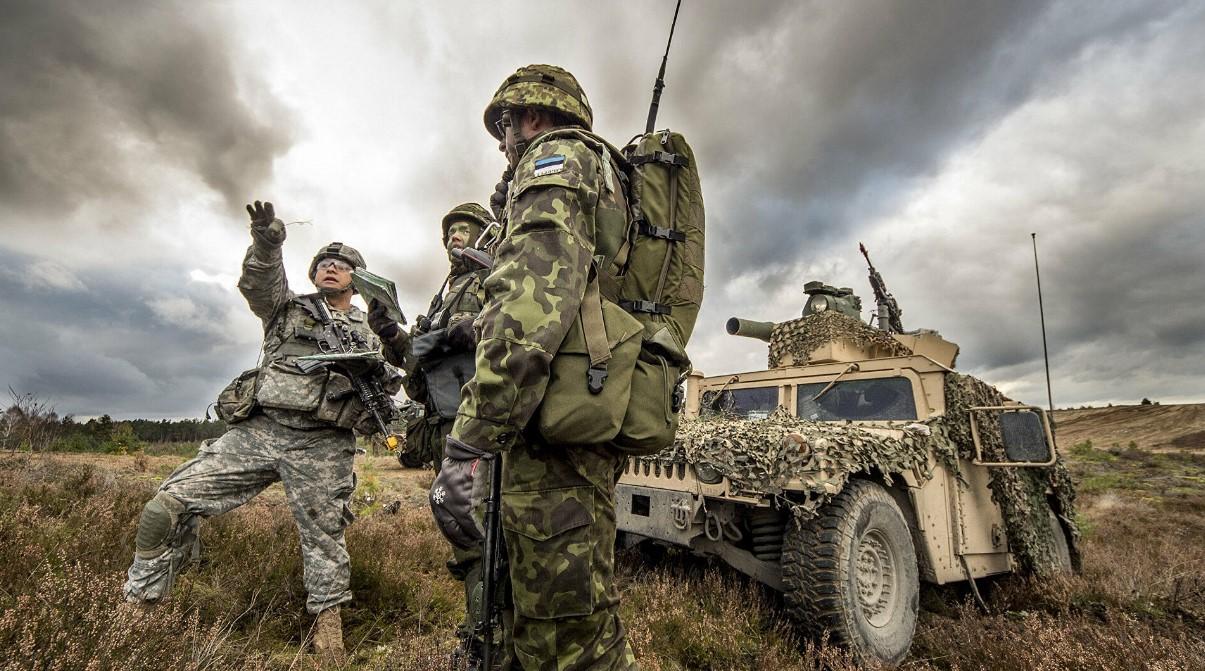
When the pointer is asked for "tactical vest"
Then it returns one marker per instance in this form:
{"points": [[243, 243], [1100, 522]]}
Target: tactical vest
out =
{"points": [[323, 397], [446, 370]]}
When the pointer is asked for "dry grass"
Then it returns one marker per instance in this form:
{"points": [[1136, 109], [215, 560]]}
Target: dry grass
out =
{"points": [[66, 527]]}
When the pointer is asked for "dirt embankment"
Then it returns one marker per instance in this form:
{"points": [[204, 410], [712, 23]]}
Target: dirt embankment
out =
{"points": [[1151, 427]]}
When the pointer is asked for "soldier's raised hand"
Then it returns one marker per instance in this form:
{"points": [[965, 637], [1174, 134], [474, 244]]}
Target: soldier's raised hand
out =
{"points": [[265, 227]]}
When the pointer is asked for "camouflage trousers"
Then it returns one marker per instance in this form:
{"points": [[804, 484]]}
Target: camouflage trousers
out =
{"points": [[315, 467], [558, 515]]}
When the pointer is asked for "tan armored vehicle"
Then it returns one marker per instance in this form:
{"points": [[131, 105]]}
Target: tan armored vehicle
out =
{"points": [[858, 464]]}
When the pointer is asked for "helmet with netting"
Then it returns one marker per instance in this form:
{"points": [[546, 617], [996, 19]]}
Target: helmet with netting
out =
{"points": [[471, 212], [545, 87]]}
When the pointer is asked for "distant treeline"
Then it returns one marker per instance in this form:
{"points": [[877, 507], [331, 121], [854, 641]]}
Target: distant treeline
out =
{"points": [[32, 425], [103, 434]]}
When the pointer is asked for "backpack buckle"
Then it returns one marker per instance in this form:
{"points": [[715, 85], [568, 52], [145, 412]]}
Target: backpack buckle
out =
{"points": [[595, 377]]}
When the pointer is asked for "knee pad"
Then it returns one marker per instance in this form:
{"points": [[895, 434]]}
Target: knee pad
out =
{"points": [[158, 521]]}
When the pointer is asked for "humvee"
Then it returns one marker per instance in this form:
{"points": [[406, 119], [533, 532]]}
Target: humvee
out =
{"points": [[857, 465]]}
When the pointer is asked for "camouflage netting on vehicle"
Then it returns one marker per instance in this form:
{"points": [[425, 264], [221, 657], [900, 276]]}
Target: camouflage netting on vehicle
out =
{"points": [[762, 456], [798, 338], [1020, 492]]}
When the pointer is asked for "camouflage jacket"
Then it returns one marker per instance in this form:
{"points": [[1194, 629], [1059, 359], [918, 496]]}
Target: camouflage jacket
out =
{"points": [[566, 206], [286, 395]]}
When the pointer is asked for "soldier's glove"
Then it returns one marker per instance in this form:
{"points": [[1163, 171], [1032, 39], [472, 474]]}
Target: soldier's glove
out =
{"points": [[380, 322], [461, 336], [266, 229], [501, 189], [452, 494]]}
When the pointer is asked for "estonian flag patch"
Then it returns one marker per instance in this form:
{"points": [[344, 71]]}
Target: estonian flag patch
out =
{"points": [[550, 166]]}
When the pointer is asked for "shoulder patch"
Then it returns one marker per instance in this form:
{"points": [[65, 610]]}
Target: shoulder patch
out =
{"points": [[549, 166]]}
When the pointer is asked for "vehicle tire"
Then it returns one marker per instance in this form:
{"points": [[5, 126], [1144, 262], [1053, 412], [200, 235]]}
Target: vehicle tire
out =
{"points": [[1061, 550], [409, 460], [851, 570]]}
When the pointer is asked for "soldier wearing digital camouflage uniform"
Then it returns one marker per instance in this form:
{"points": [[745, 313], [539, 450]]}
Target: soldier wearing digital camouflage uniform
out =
{"points": [[452, 309], [565, 208], [284, 426]]}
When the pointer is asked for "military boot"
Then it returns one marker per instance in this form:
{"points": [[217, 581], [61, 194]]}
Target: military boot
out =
{"points": [[328, 636]]}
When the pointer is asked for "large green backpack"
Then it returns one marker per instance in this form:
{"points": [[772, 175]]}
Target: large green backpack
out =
{"points": [[661, 281], [607, 385]]}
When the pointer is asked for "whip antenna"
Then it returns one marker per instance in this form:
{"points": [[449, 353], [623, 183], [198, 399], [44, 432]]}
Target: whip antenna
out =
{"points": [[660, 83], [1042, 313]]}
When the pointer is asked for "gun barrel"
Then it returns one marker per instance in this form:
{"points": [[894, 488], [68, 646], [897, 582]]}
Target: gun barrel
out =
{"points": [[749, 328]]}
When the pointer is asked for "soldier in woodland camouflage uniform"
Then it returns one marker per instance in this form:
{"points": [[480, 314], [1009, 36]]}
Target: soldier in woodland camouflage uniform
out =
{"points": [[285, 426], [452, 311], [453, 308], [565, 208]]}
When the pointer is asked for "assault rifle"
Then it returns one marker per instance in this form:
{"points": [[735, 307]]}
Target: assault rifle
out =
{"points": [[350, 351], [889, 310]]}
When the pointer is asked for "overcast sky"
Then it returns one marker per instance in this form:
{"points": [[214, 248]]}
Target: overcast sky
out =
{"points": [[941, 134]]}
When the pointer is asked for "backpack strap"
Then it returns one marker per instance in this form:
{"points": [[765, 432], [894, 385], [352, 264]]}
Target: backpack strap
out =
{"points": [[595, 333]]}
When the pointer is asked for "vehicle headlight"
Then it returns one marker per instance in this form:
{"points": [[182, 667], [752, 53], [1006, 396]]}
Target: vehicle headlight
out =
{"points": [[818, 304], [707, 474]]}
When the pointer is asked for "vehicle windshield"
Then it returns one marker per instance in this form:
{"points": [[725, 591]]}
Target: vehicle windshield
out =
{"points": [[750, 403], [879, 399]]}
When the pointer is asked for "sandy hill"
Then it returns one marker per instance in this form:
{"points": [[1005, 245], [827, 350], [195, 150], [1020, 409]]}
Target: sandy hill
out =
{"points": [[1157, 427]]}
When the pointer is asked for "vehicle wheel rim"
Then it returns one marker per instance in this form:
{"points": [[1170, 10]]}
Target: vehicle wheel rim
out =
{"points": [[877, 578]]}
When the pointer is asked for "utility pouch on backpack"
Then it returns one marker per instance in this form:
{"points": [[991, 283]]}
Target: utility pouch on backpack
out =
{"points": [[590, 380], [237, 400], [655, 404]]}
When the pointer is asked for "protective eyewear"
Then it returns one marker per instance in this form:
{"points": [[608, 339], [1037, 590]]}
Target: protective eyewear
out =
{"points": [[334, 263], [502, 123]]}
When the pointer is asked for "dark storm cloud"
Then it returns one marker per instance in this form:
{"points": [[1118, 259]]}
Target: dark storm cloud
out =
{"points": [[89, 90], [826, 112], [138, 342]]}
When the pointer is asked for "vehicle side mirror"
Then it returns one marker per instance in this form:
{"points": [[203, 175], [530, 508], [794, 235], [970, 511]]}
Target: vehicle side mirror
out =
{"points": [[1024, 437], [1024, 431]]}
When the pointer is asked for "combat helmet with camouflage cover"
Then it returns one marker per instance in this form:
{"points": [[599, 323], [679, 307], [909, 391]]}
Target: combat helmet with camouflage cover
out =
{"points": [[546, 87], [336, 250], [471, 212]]}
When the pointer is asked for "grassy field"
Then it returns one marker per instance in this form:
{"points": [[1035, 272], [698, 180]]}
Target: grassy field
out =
{"points": [[66, 537]]}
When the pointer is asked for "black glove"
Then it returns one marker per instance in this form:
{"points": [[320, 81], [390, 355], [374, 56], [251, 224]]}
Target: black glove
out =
{"points": [[266, 229], [464, 467], [380, 322], [462, 337], [501, 189]]}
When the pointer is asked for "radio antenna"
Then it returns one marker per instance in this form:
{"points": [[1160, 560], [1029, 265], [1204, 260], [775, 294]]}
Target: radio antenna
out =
{"points": [[660, 83], [1042, 313]]}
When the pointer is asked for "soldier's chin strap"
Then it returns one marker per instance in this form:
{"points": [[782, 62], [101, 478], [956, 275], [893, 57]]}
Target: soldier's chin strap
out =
{"points": [[516, 123]]}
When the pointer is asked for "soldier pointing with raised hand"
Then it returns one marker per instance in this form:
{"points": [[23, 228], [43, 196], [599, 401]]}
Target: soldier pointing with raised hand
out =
{"points": [[288, 422]]}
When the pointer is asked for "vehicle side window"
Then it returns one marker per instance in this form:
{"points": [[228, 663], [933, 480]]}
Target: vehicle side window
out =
{"points": [[881, 399], [749, 403]]}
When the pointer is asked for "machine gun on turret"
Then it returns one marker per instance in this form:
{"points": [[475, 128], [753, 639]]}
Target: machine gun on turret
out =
{"points": [[889, 310]]}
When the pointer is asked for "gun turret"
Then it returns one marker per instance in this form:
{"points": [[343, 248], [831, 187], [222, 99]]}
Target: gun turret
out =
{"points": [[749, 329]]}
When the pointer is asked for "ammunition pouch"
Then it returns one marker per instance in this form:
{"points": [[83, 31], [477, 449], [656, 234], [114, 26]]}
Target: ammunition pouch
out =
{"points": [[282, 385], [446, 369], [237, 400], [590, 377], [325, 394]]}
